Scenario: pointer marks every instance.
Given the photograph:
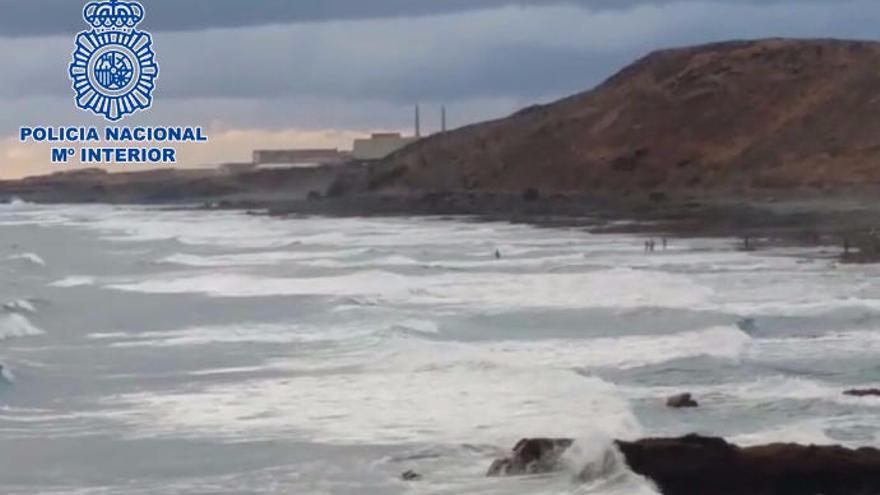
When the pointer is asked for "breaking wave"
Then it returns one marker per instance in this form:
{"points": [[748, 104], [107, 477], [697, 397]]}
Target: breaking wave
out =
{"points": [[73, 281], [254, 259], [20, 305], [614, 288], [16, 325], [32, 258]]}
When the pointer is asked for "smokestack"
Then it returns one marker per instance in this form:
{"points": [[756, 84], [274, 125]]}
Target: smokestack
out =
{"points": [[443, 118], [418, 122]]}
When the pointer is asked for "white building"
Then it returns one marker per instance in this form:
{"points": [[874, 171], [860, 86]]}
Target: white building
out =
{"points": [[380, 145], [298, 158]]}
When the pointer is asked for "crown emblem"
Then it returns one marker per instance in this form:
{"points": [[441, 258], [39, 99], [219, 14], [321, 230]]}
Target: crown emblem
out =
{"points": [[113, 15], [114, 68]]}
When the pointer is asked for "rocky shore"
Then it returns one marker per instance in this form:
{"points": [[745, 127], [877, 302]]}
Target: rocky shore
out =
{"points": [[844, 221], [696, 465], [846, 225]]}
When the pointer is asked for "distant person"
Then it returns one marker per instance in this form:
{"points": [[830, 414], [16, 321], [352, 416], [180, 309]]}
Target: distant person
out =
{"points": [[664, 244], [497, 254]]}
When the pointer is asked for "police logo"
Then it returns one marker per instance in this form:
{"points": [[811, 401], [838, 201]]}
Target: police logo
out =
{"points": [[114, 67]]}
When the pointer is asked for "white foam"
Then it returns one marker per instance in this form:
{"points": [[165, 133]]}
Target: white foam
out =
{"points": [[372, 282], [616, 288], [74, 281], [397, 389], [385, 261], [618, 352], [809, 432], [256, 258], [231, 334], [611, 288], [16, 325], [826, 346], [21, 305], [599, 465], [456, 405], [31, 258], [426, 327]]}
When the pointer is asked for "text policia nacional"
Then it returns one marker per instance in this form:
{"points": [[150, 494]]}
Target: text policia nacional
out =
{"points": [[94, 145]]}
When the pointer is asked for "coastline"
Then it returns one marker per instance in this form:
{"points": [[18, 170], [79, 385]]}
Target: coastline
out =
{"points": [[812, 220], [840, 219]]}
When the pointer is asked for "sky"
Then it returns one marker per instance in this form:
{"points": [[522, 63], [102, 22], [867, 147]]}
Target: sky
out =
{"points": [[318, 73]]}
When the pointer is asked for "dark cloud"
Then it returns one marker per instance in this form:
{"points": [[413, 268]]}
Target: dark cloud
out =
{"points": [[47, 17], [512, 54]]}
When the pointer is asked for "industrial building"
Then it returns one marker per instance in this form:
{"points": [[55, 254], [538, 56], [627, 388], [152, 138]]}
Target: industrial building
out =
{"points": [[268, 159], [376, 147], [380, 145]]}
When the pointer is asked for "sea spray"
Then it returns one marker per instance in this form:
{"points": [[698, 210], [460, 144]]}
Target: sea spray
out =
{"points": [[597, 463], [16, 325]]}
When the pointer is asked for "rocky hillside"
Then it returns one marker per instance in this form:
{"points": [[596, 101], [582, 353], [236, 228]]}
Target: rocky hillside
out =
{"points": [[731, 116]]}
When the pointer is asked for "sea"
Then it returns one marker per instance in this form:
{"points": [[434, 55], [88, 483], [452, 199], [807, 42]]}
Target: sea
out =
{"points": [[182, 351]]}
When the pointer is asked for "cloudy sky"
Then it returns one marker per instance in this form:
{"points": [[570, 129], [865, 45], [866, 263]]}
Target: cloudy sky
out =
{"points": [[311, 73]]}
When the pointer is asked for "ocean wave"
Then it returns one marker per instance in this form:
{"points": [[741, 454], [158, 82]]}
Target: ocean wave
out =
{"points": [[16, 325], [750, 396], [267, 333], [372, 282], [608, 288], [74, 281], [615, 288], [581, 354], [391, 260], [255, 259], [243, 333], [452, 406], [32, 258], [20, 305], [416, 327], [6, 374], [819, 347], [15, 203], [602, 468]]}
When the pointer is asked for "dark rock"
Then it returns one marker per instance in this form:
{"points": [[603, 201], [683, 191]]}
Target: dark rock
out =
{"points": [[863, 392], [695, 465], [410, 476], [531, 456], [747, 325], [681, 401]]}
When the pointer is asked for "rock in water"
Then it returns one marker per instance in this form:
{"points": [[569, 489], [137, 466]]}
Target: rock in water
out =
{"points": [[695, 465], [531, 456], [863, 392], [410, 476], [681, 401]]}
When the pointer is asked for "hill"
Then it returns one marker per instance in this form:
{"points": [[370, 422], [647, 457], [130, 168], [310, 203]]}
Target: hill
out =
{"points": [[734, 116]]}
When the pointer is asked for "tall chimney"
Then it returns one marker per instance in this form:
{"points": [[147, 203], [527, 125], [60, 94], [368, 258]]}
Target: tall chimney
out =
{"points": [[418, 122], [443, 118]]}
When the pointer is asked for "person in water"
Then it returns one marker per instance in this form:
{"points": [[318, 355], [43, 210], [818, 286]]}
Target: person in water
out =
{"points": [[497, 254]]}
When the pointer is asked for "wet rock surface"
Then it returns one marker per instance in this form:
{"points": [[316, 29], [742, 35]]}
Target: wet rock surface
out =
{"points": [[696, 465], [863, 392], [681, 401], [410, 476], [531, 456]]}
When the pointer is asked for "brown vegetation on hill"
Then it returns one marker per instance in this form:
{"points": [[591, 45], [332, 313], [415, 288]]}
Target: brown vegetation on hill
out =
{"points": [[730, 117]]}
